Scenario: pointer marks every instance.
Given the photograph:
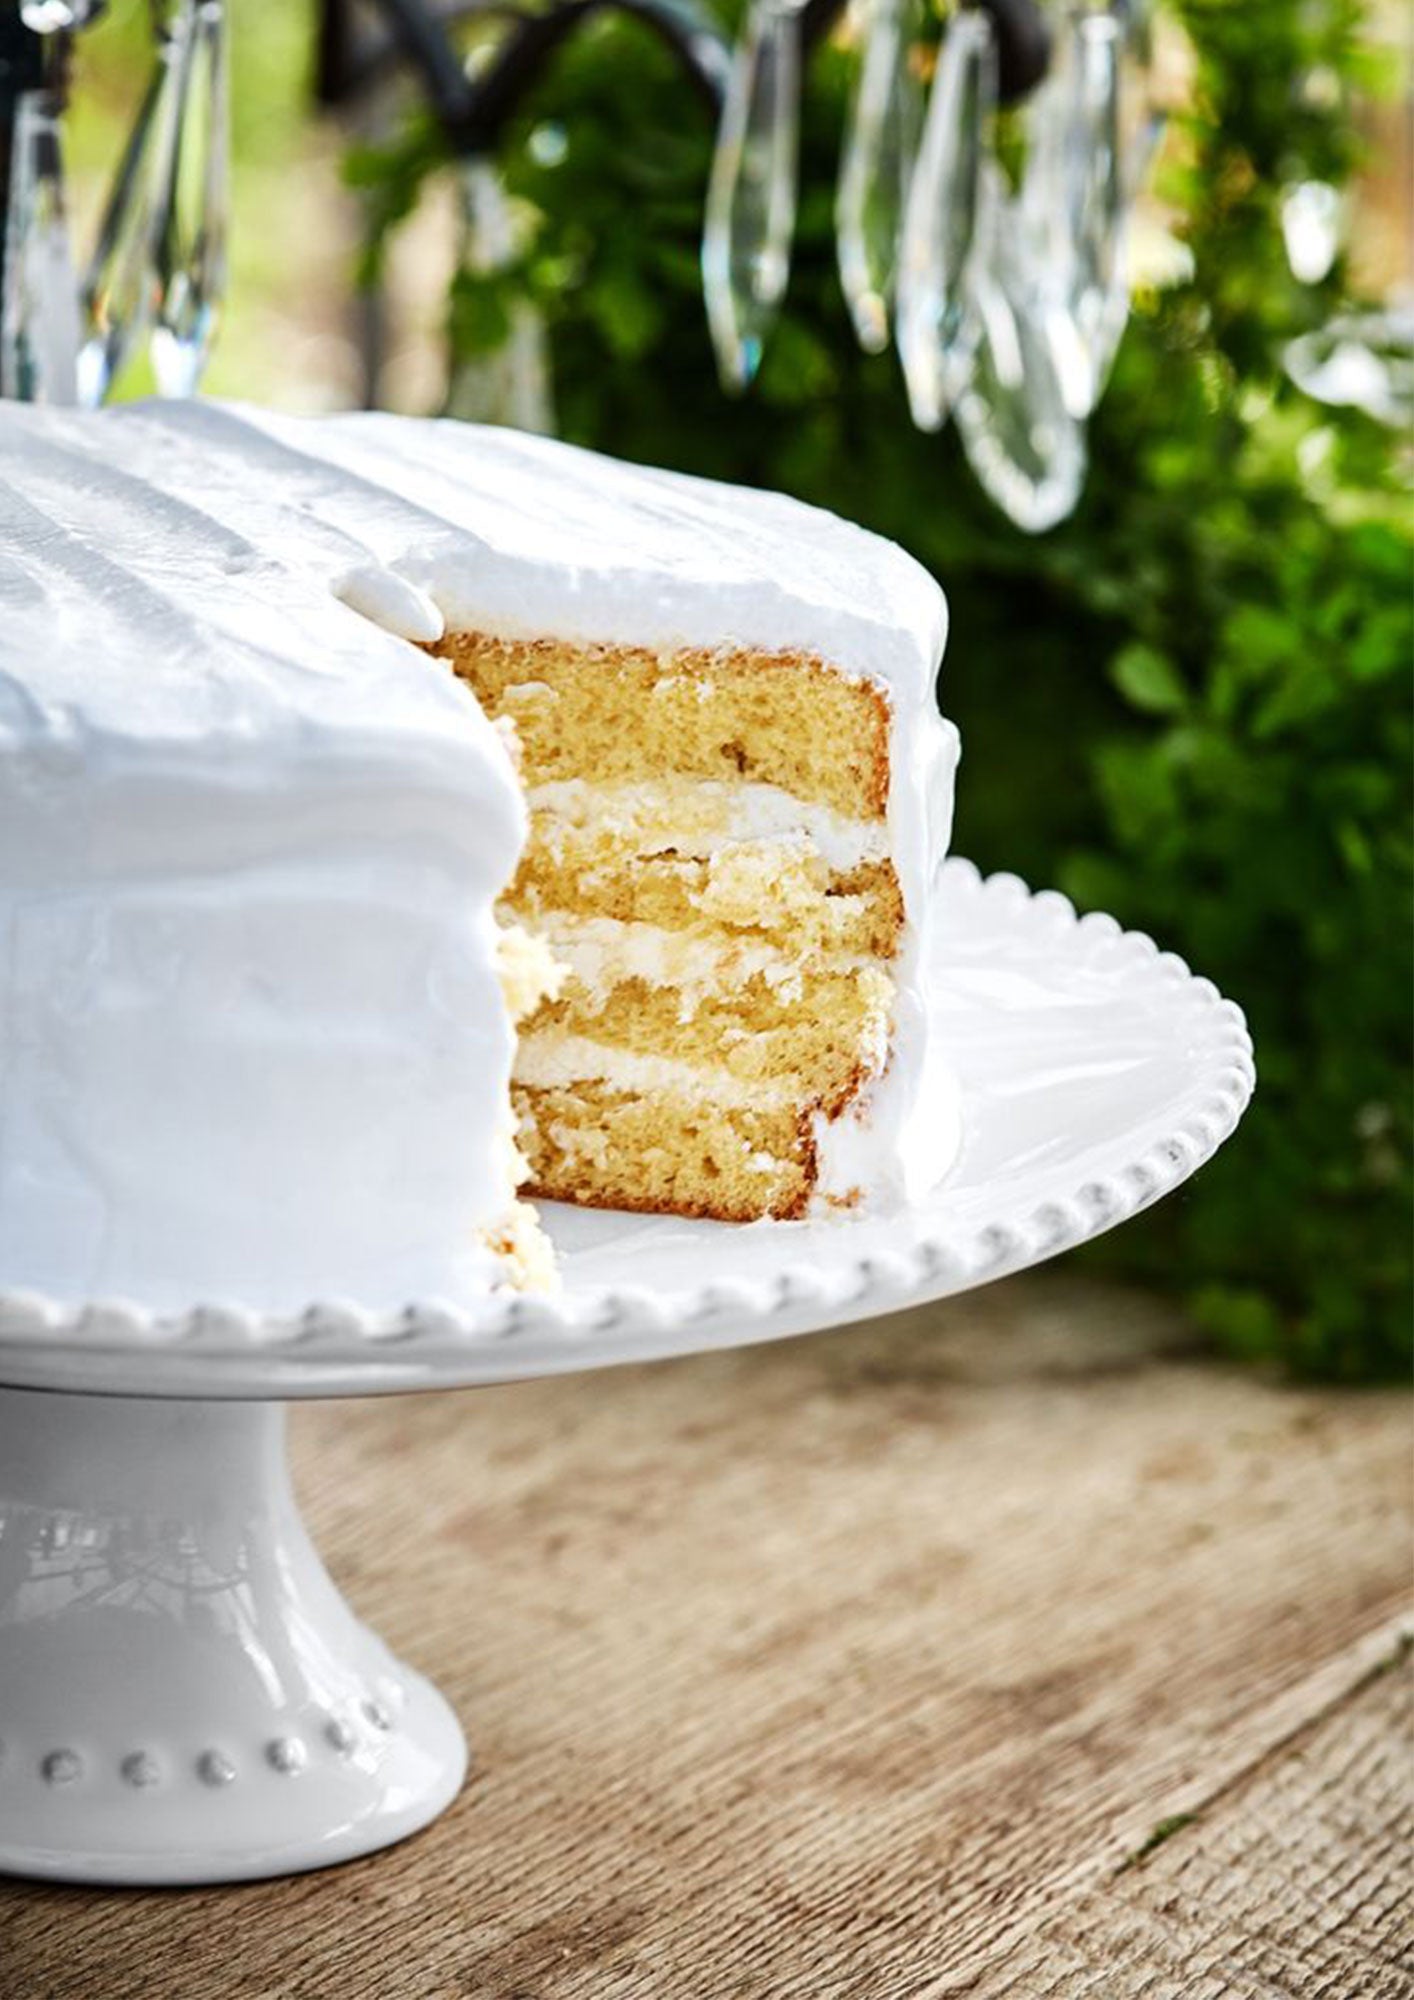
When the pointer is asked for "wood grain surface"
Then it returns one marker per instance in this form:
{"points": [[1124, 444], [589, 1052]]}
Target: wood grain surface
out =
{"points": [[1000, 1650]]}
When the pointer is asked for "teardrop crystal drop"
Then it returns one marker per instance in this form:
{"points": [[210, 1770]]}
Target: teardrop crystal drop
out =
{"points": [[1094, 131], [39, 312], [881, 139], [1022, 441], [945, 223], [189, 238], [1312, 228], [1361, 360], [117, 291], [751, 196], [1075, 202], [1141, 118]]}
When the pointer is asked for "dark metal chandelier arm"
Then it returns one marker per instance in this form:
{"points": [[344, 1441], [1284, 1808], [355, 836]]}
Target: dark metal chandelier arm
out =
{"points": [[21, 55], [1023, 46], [512, 71], [473, 114], [689, 30], [420, 36], [356, 54], [696, 33]]}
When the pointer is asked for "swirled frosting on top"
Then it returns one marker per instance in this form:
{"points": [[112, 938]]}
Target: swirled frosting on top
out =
{"points": [[251, 1045]]}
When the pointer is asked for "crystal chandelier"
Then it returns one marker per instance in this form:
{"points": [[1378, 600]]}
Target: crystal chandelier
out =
{"points": [[1005, 298]]}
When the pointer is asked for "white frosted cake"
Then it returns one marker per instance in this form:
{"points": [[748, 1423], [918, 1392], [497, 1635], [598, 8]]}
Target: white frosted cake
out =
{"points": [[300, 719]]}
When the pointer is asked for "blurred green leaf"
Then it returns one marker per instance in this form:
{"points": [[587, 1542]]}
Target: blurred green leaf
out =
{"points": [[1148, 681]]}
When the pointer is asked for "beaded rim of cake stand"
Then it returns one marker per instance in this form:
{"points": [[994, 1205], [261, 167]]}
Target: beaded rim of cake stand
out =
{"points": [[940, 1259]]}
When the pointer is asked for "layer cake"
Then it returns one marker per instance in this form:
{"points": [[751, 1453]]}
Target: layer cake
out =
{"points": [[297, 715]]}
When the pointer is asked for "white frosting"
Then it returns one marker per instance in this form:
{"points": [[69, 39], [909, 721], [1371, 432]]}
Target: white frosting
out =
{"points": [[252, 1045], [390, 601], [250, 1041]]}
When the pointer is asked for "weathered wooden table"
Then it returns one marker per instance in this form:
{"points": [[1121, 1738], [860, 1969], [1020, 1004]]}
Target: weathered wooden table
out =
{"points": [[1000, 1649]]}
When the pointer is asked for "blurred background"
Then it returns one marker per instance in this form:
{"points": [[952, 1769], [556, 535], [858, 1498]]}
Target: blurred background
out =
{"points": [[1161, 465]]}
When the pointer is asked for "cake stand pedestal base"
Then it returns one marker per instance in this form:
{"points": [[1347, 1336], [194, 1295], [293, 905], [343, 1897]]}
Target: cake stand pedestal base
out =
{"points": [[184, 1695]]}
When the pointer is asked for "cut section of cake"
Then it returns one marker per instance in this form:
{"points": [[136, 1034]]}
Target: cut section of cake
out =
{"points": [[709, 860], [740, 791]]}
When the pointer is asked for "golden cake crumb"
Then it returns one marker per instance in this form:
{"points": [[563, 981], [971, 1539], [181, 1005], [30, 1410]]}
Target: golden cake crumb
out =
{"points": [[701, 933]]}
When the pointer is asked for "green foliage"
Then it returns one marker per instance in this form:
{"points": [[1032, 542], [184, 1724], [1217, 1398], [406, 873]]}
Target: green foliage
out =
{"points": [[1190, 704]]}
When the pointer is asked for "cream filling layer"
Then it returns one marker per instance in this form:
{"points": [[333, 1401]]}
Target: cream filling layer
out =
{"points": [[552, 1062], [556, 1060], [704, 816], [601, 953]]}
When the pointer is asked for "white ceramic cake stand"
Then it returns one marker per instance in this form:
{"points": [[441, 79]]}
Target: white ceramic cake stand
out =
{"points": [[185, 1697]]}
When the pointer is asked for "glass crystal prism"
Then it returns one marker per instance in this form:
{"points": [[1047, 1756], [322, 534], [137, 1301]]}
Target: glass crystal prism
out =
{"points": [[118, 286], [881, 140], [190, 210], [1363, 360], [39, 311], [1077, 206], [1312, 228], [945, 223], [1025, 445], [751, 195]]}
